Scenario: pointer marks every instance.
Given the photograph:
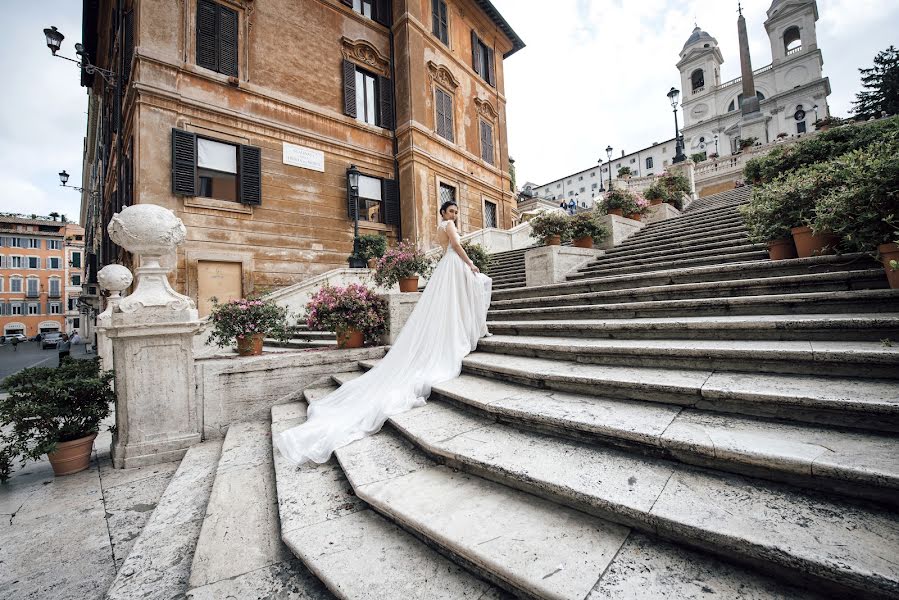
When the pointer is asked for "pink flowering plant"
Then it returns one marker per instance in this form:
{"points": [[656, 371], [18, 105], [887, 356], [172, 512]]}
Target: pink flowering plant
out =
{"points": [[401, 261], [642, 205], [335, 308], [237, 319]]}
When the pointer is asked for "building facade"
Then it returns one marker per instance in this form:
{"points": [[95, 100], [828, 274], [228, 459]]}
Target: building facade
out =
{"points": [[35, 274], [244, 117]]}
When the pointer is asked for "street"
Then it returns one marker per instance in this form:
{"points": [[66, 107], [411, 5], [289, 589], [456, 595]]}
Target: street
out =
{"points": [[29, 354]]}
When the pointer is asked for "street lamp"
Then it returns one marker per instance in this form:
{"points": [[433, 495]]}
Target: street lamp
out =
{"points": [[716, 144], [674, 96], [609, 154], [64, 178], [815, 108], [54, 42], [54, 39], [352, 180]]}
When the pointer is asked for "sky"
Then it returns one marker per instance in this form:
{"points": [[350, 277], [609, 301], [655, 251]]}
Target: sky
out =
{"points": [[594, 73]]}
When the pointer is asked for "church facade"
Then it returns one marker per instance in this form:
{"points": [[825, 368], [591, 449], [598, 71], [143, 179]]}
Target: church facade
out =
{"points": [[792, 90]]}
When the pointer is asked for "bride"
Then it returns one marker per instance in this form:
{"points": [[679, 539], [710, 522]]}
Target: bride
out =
{"points": [[447, 322]]}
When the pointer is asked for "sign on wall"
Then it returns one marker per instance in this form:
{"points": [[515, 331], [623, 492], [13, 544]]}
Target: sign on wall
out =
{"points": [[307, 158]]}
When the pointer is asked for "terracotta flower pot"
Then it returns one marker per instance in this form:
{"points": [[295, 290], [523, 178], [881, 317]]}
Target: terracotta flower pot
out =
{"points": [[250, 345], [409, 284], [890, 252], [372, 263], [583, 242], [810, 244], [616, 211], [72, 457], [635, 217], [554, 240], [655, 202], [781, 249], [351, 338]]}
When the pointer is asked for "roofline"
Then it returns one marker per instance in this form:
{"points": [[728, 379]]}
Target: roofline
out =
{"points": [[500, 21], [606, 162]]}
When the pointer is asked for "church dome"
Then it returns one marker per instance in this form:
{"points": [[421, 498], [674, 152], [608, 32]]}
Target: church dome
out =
{"points": [[701, 37]]}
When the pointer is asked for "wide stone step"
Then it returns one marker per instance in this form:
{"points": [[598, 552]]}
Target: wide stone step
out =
{"points": [[679, 229], [301, 343], [867, 404], [860, 327], [533, 547], [306, 334], [239, 551], [858, 359], [796, 534], [697, 221], [355, 552], [823, 282], [158, 566], [861, 301], [652, 257], [702, 274], [735, 237], [685, 240], [637, 266]]}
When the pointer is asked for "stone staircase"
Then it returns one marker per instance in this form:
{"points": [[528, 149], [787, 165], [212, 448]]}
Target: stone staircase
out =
{"points": [[507, 269], [716, 430], [303, 338]]}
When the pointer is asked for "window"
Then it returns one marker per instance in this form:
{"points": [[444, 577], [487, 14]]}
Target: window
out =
{"points": [[800, 127], [32, 287], [55, 308], [72, 304], [16, 262], [363, 7], [15, 308], [697, 80], [54, 286], [792, 40], [76, 260], [217, 37], [487, 142], [54, 262], [489, 214], [605, 169], [482, 57], [664, 149], [568, 182], [664, 163], [571, 192], [16, 242], [447, 193], [444, 104], [649, 163], [76, 322], [33, 243], [15, 285], [581, 178], [618, 166], [371, 207], [593, 187], [581, 190], [34, 308], [34, 262], [440, 21], [366, 97], [633, 160], [558, 185], [1, 284], [212, 169], [76, 280], [593, 174], [54, 245]]}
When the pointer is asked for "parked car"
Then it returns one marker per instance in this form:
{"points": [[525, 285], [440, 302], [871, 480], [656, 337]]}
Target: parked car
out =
{"points": [[19, 336], [36, 338], [50, 339]]}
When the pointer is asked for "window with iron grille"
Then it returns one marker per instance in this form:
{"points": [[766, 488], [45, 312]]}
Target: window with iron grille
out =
{"points": [[489, 214], [447, 193]]}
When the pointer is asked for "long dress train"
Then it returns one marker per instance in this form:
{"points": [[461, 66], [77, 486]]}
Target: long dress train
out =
{"points": [[446, 324]]}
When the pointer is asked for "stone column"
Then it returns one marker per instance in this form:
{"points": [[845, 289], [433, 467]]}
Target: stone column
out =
{"points": [[152, 330]]}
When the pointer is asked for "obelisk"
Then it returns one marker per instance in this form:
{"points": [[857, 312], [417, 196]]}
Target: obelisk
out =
{"points": [[752, 123]]}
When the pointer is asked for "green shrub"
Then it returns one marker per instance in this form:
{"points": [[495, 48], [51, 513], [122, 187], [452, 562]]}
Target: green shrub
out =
{"points": [[550, 223], [371, 246], [669, 188], [585, 224], [622, 199], [478, 255], [624, 171], [698, 157]]}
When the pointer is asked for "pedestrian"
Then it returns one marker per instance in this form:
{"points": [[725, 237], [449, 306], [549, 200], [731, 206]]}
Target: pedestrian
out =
{"points": [[63, 346], [15, 344], [76, 339]]}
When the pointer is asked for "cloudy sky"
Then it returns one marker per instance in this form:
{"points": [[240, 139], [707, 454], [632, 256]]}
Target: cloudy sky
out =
{"points": [[594, 73]]}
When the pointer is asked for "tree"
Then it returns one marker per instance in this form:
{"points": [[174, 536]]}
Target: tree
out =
{"points": [[881, 86]]}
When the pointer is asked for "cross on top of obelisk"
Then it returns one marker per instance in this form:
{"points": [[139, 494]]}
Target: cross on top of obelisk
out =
{"points": [[740, 8]]}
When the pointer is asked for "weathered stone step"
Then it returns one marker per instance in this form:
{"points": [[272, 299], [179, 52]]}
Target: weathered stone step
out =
{"points": [[702, 274], [240, 548], [687, 238], [301, 343], [859, 301], [820, 282], [652, 257], [692, 222], [307, 334], [860, 327], [677, 262], [534, 547], [848, 549], [355, 552], [867, 404], [735, 237], [699, 206], [158, 566]]}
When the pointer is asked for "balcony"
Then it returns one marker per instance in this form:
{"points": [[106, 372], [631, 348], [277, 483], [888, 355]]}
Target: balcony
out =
{"points": [[795, 50]]}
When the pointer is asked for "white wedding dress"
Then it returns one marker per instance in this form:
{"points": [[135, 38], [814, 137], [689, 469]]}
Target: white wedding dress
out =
{"points": [[446, 324]]}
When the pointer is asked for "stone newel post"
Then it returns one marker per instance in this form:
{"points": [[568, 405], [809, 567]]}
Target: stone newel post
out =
{"points": [[116, 279], [152, 330]]}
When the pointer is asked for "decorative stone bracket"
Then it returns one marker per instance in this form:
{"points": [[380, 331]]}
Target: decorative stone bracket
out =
{"points": [[443, 76], [364, 53]]}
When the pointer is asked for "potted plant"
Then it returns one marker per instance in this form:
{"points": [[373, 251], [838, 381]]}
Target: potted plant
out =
{"points": [[586, 230], [656, 193], [403, 264], [478, 255], [355, 313], [782, 135], [56, 411], [369, 248], [247, 321], [748, 142], [698, 157], [675, 186], [550, 228], [620, 203], [640, 208], [624, 173]]}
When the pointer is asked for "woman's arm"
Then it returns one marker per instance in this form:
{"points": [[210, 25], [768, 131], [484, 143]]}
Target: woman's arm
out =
{"points": [[456, 245]]}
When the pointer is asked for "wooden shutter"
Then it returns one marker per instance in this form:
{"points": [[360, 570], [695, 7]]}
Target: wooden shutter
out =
{"points": [[390, 192], [435, 18], [448, 115], [129, 45], [250, 175], [488, 142], [207, 43], [227, 38], [440, 116], [490, 70], [184, 163], [444, 23], [349, 88], [385, 89], [382, 13], [475, 53]]}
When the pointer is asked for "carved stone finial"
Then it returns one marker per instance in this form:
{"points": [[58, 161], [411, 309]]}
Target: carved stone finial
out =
{"points": [[151, 232], [116, 279]]}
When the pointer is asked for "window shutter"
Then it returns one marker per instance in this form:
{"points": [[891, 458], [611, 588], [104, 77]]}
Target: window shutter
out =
{"points": [[348, 3], [184, 163], [349, 89], [441, 118], [490, 70], [475, 54], [227, 36], [206, 35], [435, 17], [250, 175], [390, 191], [385, 87], [448, 116], [444, 23], [129, 45], [382, 13]]}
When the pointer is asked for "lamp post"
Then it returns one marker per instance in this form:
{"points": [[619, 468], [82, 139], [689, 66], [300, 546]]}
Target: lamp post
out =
{"points": [[674, 96], [609, 154], [815, 108], [64, 178], [716, 145], [352, 179]]}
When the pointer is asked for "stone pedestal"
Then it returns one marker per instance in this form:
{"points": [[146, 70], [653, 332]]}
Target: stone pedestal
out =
{"points": [[688, 170], [660, 212], [621, 229], [399, 307], [550, 264]]}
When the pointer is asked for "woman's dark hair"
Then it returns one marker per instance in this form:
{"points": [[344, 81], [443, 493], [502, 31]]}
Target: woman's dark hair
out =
{"points": [[447, 204]]}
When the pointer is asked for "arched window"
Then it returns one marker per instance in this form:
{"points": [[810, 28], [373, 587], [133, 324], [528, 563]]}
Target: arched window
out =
{"points": [[739, 100], [792, 39], [698, 80]]}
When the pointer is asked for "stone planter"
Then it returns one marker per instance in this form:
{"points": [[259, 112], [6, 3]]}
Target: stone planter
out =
{"points": [[887, 253], [616, 211], [250, 345], [409, 284], [351, 338], [72, 457], [655, 202], [781, 249], [554, 240], [811, 244], [372, 263], [635, 217], [583, 242]]}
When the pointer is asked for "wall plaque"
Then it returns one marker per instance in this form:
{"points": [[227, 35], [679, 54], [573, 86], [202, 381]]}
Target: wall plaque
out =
{"points": [[307, 158]]}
